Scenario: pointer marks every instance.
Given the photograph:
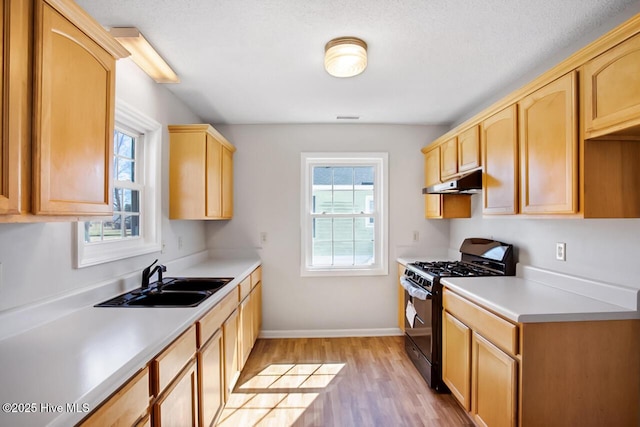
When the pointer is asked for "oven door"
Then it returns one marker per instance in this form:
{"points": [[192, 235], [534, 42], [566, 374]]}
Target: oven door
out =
{"points": [[419, 326]]}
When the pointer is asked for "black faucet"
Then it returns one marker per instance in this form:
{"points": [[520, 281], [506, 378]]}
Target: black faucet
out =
{"points": [[148, 272]]}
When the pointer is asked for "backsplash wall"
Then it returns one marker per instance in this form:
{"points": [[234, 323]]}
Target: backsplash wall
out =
{"points": [[599, 249]]}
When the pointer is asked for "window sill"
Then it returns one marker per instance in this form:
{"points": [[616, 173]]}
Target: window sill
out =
{"points": [[343, 272]]}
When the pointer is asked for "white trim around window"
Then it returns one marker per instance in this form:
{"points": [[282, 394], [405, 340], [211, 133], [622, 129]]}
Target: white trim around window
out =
{"points": [[150, 240], [375, 213]]}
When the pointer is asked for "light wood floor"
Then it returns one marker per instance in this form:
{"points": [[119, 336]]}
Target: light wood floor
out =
{"points": [[354, 382]]}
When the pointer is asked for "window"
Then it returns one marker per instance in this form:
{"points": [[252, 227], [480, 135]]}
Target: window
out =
{"points": [[344, 214], [134, 228]]}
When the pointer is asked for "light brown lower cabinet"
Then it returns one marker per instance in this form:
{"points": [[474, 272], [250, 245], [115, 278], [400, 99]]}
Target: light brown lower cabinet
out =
{"points": [[574, 373], [456, 355], [231, 365], [126, 406], [177, 406], [494, 384], [211, 379]]}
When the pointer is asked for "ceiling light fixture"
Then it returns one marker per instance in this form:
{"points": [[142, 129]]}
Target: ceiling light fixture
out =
{"points": [[144, 55], [345, 57]]}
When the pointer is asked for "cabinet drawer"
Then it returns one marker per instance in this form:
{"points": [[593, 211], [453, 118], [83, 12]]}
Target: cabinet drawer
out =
{"points": [[256, 277], [500, 332], [212, 321], [245, 287], [171, 361], [126, 406]]}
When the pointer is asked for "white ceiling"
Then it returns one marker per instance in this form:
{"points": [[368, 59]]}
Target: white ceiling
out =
{"points": [[430, 61]]}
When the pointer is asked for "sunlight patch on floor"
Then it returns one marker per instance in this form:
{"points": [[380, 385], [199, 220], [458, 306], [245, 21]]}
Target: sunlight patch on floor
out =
{"points": [[277, 395]]}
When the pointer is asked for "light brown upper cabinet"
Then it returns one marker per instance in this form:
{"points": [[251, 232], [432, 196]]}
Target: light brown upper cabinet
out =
{"points": [[15, 134], [500, 162], [201, 173], [449, 158], [612, 91], [58, 89], [469, 149], [549, 148], [441, 205]]}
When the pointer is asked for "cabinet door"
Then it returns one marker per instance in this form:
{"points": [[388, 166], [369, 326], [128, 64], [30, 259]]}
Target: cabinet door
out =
{"points": [[74, 83], [494, 379], [469, 149], [456, 359], [256, 316], [612, 90], [432, 202], [230, 340], [15, 26], [178, 405], [500, 162], [549, 149], [246, 330], [449, 158], [211, 379], [227, 183], [214, 174], [126, 406]]}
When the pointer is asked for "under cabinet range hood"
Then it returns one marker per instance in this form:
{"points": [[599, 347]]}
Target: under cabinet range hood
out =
{"points": [[468, 183]]}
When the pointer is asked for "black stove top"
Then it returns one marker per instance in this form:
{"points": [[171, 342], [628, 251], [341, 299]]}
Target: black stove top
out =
{"points": [[453, 269], [480, 257]]}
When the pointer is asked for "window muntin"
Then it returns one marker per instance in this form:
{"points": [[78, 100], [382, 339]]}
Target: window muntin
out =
{"points": [[344, 225]]}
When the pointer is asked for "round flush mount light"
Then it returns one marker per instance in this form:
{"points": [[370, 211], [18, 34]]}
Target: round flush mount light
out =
{"points": [[345, 57]]}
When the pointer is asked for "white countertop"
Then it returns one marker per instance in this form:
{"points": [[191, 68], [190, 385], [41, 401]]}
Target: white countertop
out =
{"points": [[524, 301], [83, 356]]}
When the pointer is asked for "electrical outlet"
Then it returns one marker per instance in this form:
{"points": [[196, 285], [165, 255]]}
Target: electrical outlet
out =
{"points": [[561, 251], [163, 247], [263, 237], [179, 242], [416, 236], [1, 275]]}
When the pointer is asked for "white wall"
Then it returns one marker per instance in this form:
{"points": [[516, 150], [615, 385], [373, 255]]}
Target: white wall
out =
{"points": [[601, 249], [267, 199], [37, 259]]}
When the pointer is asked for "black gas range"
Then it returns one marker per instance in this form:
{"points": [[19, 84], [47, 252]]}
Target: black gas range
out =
{"points": [[423, 299]]}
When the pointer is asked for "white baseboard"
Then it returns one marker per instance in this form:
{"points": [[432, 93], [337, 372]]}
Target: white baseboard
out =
{"points": [[332, 333]]}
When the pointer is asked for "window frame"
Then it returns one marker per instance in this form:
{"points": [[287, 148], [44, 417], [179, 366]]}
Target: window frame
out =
{"points": [[149, 240], [379, 161]]}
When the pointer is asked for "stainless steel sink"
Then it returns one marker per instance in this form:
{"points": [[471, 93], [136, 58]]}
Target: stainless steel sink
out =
{"points": [[171, 292]]}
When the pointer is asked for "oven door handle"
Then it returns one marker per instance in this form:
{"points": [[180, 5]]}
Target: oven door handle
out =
{"points": [[414, 290]]}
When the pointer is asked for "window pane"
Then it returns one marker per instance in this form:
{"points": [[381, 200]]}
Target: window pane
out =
{"points": [[343, 201], [342, 176], [132, 225], [124, 145], [364, 253], [363, 175], [131, 200], [343, 253], [92, 231], [124, 170], [112, 229], [321, 253], [322, 201], [322, 175], [117, 199], [322, 229], [364, 228], [343, 229]]}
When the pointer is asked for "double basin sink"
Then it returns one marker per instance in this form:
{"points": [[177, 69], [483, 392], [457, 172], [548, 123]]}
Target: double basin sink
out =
{"points": [[170, 292]]}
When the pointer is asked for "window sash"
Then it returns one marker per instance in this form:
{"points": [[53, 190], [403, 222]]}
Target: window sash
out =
{"points": [[378, 225]]}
